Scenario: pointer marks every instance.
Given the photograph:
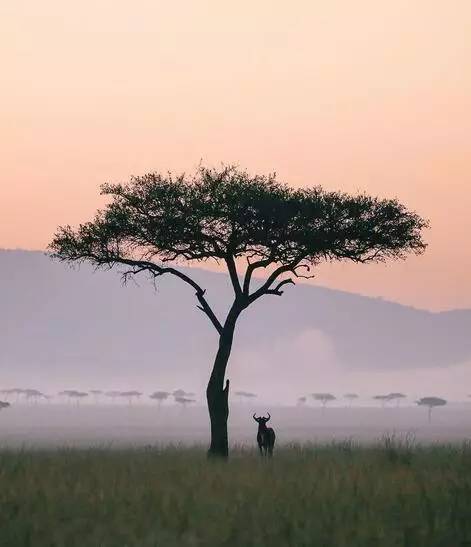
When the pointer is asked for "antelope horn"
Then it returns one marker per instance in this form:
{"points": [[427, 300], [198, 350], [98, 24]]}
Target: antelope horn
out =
{"points": [[268, 416], [254, 417]]}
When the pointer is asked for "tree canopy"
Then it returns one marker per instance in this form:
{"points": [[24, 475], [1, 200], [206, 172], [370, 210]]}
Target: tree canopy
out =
{"points": [[226, 214]]}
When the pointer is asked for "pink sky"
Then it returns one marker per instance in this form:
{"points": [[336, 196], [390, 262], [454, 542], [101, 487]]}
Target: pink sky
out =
{"points": [[369, 95]]}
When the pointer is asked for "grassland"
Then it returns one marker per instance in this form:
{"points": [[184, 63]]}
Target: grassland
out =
{"points": [[332, 495]]}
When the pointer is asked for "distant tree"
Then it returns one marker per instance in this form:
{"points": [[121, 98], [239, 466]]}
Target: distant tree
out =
{"points": [[113, 394], [73, 394], [183, 401], [7, 393], [154, 222], [323, 398], [4, 404], [383, 399], [179, 393], [396, 397], [130, 395], [431, 403], [18, 392], [302, 401], [160, 397], [32, 395], [350, 398]]}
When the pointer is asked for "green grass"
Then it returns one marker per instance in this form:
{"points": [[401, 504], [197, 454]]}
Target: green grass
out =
{"points": [[335, 495]]}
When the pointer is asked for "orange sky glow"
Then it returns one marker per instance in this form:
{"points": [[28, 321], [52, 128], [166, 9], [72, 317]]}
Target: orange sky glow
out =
{"points": [[371, 95]]}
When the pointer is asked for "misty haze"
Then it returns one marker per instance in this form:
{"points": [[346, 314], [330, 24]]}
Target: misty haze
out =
{"points": [[83, 330]]}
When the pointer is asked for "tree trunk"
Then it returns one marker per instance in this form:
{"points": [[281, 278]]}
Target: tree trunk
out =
{"points": [[217, 393]]}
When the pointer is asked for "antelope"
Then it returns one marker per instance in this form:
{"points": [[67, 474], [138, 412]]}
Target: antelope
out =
{"points": [[265, 436]]}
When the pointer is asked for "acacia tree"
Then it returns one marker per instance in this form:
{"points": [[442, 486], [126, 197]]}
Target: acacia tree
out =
{"points": [[350, 397], [431, 403], [183, 401], [323, 398], [396, 396], [249, 224], [130, 395], [383, 399], [160, 396]]}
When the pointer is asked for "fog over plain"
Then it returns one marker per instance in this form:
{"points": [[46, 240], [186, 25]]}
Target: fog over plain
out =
{"points": [[66, 328]]}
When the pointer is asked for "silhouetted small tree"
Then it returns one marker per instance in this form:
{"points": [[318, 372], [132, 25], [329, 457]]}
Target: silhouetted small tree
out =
{"points": [[75, 395], [383, 399], [32, 395], [323, 398], [4, 404], [350, 398], [113, 394], [130, 395], [160, 397], [431, 403], [302, 401], [183, 401], [396, 397], [249, 224]]}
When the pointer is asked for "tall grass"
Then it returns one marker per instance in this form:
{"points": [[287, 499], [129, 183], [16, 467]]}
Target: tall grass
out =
{"points": [[395, 493]]}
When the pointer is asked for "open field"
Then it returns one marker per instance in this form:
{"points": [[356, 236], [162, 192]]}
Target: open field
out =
{"points": [[390, 494]]}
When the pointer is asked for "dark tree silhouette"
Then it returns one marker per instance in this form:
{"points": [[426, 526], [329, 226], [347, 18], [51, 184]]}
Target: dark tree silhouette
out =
{"points": [[130, 395], [383, 399], [14, 391], [350, 398], [32, 395], [113, 394], [74, 394], [431, 403], [301, 401], [160, 397], [395, 396], [183, 401], [247, 223], [323, 398], [4, 404]]}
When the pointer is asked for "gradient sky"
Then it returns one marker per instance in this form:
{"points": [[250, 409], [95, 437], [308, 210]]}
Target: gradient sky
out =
{"points": [[369, 95]]}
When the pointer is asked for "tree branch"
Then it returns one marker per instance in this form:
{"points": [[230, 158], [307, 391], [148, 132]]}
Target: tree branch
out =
{"points": [[156, 270], [271, 279], [252, 266], [277, 290], [232, 268]]}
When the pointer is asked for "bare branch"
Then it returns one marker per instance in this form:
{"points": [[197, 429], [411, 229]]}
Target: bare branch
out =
{"points": [[252, 266], [139, 266], [277, 290], [205, 307], [271, 279]]}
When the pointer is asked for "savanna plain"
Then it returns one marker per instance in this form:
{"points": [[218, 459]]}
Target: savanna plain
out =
{"points": [[136, 477]]}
